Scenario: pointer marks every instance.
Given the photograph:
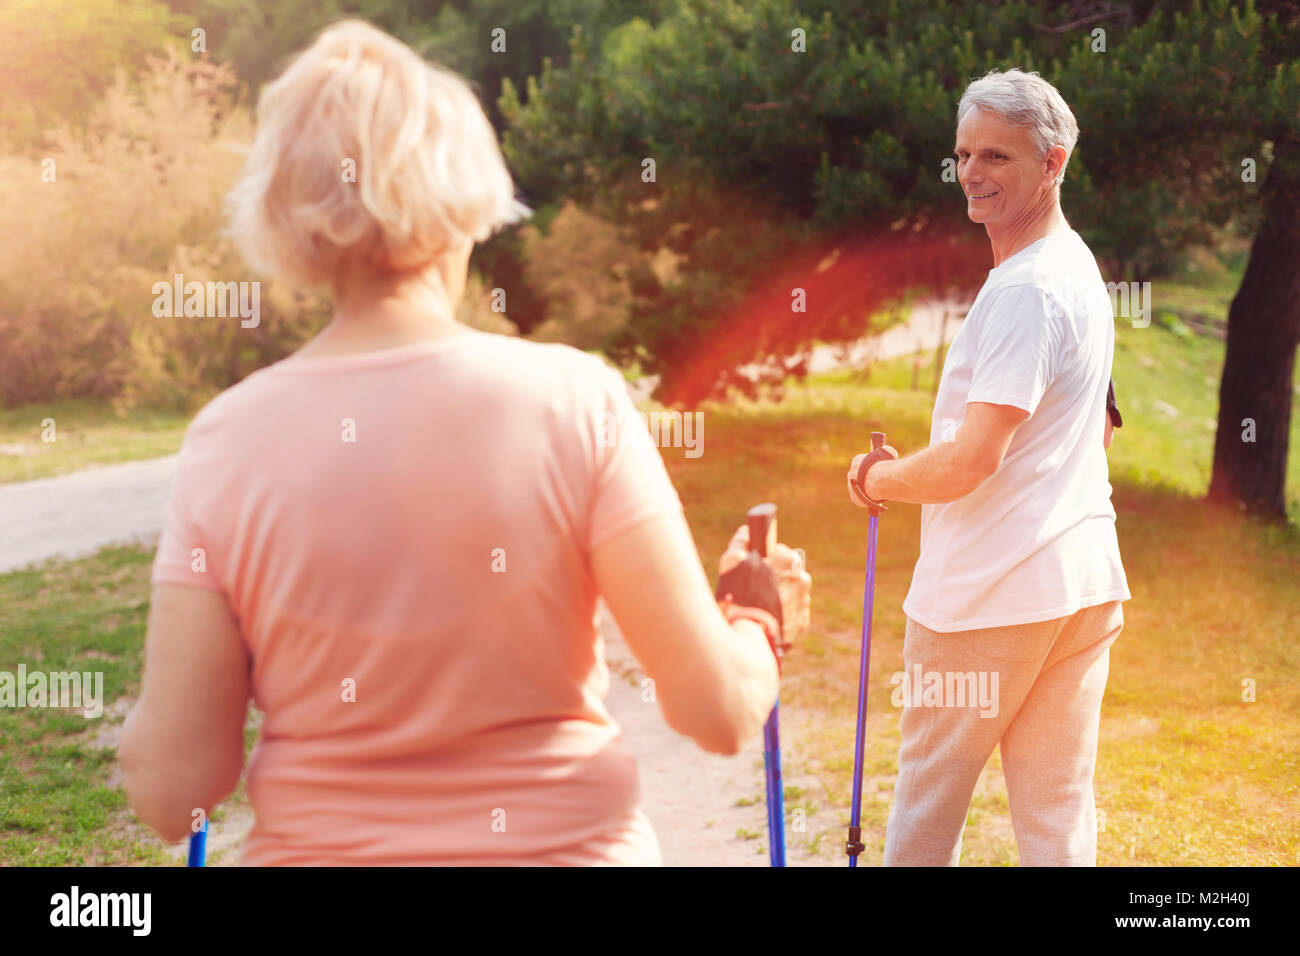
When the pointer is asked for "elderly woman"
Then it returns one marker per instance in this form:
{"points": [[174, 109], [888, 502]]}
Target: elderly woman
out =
{"points": [[395, 539], [1019, 583]]}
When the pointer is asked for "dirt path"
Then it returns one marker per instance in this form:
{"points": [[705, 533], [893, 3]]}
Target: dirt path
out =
{"points": [[693, 798]]}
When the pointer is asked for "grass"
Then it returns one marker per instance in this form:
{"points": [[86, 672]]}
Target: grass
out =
{"points": [[1189, 773], [61, 800], [1191, 769], [84, 433], [59, 803]]}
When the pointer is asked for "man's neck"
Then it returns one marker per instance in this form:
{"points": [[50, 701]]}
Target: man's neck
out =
{"points": [[1018, 236]]}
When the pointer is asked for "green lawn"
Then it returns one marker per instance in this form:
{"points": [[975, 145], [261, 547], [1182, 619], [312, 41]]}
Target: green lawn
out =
{"points": [[61, 800], [84, 433], [1188, 774]]}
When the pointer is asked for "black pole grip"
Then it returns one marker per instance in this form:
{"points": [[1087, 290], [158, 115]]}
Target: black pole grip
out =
{"points": [[760, 519]]}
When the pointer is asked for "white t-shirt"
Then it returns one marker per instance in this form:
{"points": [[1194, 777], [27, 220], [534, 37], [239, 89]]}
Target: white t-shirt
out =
{"points": [[1036, 541]]}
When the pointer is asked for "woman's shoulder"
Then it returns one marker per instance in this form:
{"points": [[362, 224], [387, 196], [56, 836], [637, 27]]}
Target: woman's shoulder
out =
{"points": [[546, 365], [556, 355], [222, 407], [499, 362]]}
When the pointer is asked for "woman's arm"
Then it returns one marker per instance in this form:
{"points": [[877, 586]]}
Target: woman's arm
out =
{"points": [[183, 743], [715, 682]]}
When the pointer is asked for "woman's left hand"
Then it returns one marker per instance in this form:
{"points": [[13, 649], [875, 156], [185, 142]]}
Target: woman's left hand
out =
{"points": [[792, 578]]}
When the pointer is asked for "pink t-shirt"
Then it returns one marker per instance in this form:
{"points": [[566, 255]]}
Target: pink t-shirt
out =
{"points": [[404, 537]]}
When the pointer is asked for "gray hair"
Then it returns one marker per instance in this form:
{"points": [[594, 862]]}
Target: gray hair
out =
{"points": [[1026, 100]]}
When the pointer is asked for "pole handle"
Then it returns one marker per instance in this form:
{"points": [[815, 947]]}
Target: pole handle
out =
{"points": [[761, 520], [877, 440]]}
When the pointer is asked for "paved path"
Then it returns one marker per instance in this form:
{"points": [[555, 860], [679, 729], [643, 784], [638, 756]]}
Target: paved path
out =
{"points": [[920, 333], [75, 515]]}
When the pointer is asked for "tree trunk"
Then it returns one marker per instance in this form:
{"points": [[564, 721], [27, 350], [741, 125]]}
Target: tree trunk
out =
{"points": [[1259, 368]]}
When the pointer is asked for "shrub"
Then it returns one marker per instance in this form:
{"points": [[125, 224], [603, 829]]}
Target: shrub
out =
{"points": [[127, 199]]}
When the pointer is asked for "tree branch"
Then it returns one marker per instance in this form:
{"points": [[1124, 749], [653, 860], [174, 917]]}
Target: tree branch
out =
{"points": [[1083, 22]]}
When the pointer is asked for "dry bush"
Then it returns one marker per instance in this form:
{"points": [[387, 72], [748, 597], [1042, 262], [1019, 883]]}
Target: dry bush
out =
{"points": [[135, 197], [581, 266], [476, 309]]}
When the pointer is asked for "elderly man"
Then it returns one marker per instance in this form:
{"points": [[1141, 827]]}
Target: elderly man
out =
{"points": [[1019, 581]]}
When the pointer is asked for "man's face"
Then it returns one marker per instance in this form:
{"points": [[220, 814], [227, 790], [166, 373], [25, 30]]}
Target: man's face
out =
{"points": [[1000, 170]]}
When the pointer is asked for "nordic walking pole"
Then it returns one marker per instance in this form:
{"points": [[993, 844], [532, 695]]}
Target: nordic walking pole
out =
{"points": [[198, 846], [854, 846], [751, 584], [762, 520]]}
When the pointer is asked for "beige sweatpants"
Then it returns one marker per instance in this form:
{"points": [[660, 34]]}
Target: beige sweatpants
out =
{"points": [[1045, 681]]}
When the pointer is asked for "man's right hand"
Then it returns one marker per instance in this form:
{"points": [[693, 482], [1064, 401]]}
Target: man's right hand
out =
{"points": [[883, 453]]}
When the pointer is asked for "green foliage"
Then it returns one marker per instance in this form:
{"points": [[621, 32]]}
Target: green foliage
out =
{"points": [[535, 31], [864, 112], [1167, 114], [86, 432], [550, 158], [59, 803], [58, 56], [846, 142], [259, 38]]}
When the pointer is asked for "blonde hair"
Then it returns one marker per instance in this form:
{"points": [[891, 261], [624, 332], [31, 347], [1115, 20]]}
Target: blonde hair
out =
{"points": [[1026, 100], [367, 155]]}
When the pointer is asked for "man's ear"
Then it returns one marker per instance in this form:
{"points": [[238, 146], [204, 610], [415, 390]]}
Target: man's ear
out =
{"points": [[1055, 173]]}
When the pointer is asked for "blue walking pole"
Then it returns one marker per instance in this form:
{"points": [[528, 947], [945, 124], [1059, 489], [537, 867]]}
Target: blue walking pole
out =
{"points": [[854, 846], [752, 581], [760, 519], [775, 788], [198, 846]]}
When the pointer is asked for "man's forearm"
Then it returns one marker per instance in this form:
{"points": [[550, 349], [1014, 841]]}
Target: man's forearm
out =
{"points": [[935, 475]]}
